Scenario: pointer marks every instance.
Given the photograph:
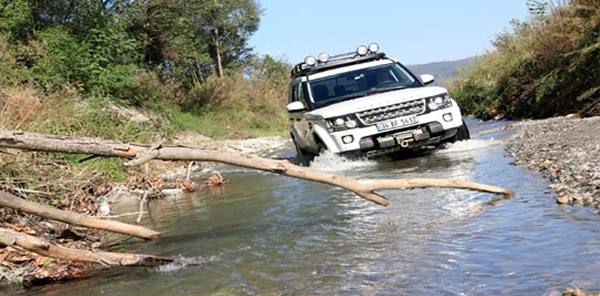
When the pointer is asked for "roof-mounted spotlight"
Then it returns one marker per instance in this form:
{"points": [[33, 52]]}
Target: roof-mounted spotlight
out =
{"points": [[361, 50], [324, 57], [373, 47], [310, 61]]}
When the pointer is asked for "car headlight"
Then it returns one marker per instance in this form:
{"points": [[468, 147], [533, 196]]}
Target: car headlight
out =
{"points": [[441, 101], [341, 123]]}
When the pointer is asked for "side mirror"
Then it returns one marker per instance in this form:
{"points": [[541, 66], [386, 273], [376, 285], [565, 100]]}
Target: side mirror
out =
{"points": [[427, 78], [295, 106]]}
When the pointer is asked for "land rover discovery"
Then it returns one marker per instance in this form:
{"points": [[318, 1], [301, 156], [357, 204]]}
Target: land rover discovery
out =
{"points": [[363, 103]]}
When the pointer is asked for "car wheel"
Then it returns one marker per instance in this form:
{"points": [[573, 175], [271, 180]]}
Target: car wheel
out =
{"points": [[299, 151], [462, 133], [321, 148]]}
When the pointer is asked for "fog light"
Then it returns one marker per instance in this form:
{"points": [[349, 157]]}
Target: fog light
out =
{"points": [[447, 117], [347, 139]]}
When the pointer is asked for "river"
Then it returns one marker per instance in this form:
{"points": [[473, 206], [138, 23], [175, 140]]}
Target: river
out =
{"points": [[266, 234]]}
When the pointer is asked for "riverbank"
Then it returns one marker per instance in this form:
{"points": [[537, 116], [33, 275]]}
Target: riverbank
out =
{"points": [[565, 150]]}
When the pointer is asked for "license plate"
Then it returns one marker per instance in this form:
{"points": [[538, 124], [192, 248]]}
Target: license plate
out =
{"points": [[400, 121]]}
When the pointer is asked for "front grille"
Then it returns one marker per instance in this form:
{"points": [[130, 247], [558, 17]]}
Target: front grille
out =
{"points": [[392, 111]]}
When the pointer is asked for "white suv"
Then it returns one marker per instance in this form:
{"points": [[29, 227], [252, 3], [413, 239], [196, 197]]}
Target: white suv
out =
{"points": [[365, 104]]}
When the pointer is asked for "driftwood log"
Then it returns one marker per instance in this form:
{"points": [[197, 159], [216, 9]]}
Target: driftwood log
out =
{"points": [[51, 249], [10, 201], [141, 153]]}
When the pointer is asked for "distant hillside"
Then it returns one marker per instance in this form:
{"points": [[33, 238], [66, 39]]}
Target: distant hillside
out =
{"points": [[443, 71]]}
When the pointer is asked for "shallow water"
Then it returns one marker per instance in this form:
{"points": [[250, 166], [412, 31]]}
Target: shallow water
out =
{"points": [[266, 234]]}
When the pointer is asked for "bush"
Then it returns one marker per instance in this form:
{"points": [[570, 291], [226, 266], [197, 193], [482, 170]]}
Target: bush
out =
{"points": [[544, 68], [235, 105]]}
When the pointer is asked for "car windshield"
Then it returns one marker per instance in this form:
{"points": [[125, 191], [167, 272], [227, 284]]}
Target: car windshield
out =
{"points": [[349, 85]]}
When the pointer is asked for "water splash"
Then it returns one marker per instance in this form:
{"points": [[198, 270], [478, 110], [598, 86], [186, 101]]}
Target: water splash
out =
{"points": [[331, 162], [182, 262], [473, 145]]}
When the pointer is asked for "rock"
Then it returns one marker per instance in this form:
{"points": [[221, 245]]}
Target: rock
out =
{"points": [[563, 200]]}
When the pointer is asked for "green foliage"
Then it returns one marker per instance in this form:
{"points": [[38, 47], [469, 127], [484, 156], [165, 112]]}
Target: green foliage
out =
{"points": [[8, 71], [270, 70], [226, 27], [545, 67], [154, 55], [61, 60], [151, 93], [110, 169], [236, 104], [99, 64], [112, 65], [14, 18], [67, 67]]}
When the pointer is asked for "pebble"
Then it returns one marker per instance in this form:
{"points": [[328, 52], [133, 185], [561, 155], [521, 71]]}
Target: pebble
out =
{"points": [[566, 151]]}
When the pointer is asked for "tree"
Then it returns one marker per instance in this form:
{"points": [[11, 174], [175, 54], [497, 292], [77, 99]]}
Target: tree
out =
{"points": [[275, 72], [15, 18], [227, 26]]}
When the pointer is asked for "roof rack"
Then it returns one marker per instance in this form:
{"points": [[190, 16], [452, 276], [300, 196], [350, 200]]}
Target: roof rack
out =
{"points": [[325, 62]]}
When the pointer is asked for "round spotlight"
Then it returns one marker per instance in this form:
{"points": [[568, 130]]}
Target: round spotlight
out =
{"points": [[447, 117], [310, 60], [361, 50], [339, 121], [373, 47], [347, 139], [324, 57]]}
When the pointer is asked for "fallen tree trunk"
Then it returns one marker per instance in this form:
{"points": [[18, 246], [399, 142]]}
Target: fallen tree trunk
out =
{"points": [[140, 154], [11, 201], [49, 249]]}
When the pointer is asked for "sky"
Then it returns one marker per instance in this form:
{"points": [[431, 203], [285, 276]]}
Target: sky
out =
{"points": [[413, 32]]}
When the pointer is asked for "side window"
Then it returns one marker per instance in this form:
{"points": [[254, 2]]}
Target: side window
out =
{"points": [[302, 93], [294, 92], [298, 92]]}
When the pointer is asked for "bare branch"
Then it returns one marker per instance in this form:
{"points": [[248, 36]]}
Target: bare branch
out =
{"points": [[363, 188], [10, 201], [49, 249]]}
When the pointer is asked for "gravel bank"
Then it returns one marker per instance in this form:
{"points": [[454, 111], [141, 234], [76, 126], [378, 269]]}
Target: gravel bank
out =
{"points": [[566, 150]]}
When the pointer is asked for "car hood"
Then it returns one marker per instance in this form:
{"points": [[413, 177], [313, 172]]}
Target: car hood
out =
{"points": [[377, 100]]}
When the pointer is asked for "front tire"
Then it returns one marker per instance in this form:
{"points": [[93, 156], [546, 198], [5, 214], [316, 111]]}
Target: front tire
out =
{"points": [[299, 151], [462, 133], [321, 148]]}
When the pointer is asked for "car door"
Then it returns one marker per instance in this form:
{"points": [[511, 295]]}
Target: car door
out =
{"points": [[299, 126]]}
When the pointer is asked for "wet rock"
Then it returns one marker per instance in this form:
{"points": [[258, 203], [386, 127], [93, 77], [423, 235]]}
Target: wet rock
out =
{"points": [[563, 200]]}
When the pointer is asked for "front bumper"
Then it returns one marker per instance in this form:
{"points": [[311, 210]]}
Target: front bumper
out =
{"points": [[431, 129]]}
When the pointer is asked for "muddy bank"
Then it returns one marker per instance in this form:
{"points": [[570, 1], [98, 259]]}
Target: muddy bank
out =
{"points": [[566, 151]]}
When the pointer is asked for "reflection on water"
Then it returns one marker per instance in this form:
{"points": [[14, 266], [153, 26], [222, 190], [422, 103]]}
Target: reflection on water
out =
{"points": [[265, 234]]}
